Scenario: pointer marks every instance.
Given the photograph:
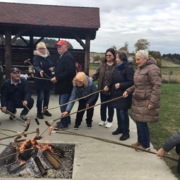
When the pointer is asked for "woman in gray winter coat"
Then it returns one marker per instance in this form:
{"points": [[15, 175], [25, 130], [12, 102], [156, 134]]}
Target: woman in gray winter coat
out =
{"points": [[146, 96], [83, 86]]}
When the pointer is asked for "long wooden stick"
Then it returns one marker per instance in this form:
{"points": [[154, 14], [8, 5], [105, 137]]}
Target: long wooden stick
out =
{"points": [[17, 135], [75, 100], [112, 142], [50, 123]]}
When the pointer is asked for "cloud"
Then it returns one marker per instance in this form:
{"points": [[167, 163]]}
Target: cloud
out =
{"points": [[155, 20]]}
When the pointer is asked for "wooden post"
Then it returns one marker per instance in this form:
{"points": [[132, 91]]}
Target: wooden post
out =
{"points": [[8, 52], [31, 47], [87, 55]]}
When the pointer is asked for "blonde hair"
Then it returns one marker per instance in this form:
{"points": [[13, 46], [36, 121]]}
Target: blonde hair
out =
{"points": [[41, 45], [80, 76]]}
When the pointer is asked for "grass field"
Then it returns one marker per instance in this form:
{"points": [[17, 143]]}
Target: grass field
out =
{"points": [[169, 120]]}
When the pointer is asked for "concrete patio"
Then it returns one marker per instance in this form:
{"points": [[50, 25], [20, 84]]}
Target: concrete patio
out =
{"points": [[97, 160]]}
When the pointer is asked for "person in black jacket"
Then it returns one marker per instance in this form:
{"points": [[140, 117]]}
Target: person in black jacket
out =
{"points": [[44, 68], [121, 80], [16, 93], [173, 141], [65, 71]]}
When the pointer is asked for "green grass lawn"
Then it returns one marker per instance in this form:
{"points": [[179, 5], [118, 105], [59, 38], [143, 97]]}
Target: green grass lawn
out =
{"points": [[93, 66], [169, 120], [175, 70]]}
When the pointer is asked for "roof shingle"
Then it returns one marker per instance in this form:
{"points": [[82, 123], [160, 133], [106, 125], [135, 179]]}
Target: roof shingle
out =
{"points": [[48, 15]]}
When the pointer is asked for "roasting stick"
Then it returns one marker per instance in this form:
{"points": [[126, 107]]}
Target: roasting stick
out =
{"points": [[11, 114], [17, 135], [112, 142], [52, 121], [3, 129], [28, 61], [35, 118], [75, 100]]}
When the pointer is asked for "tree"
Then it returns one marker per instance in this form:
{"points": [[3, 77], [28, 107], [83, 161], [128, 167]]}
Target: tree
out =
{"points": [[142, 44], [96, 58], [114, 47], [125, 48]]}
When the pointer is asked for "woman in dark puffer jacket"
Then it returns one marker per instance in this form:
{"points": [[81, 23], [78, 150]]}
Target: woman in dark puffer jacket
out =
{"points": [[121, 80]]}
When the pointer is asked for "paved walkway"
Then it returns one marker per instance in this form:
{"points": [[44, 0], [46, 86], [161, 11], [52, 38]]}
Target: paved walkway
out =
{"points": [[96, 160]]}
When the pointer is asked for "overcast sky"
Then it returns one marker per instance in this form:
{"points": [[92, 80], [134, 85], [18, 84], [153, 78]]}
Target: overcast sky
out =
{"points": [[158, 21]]}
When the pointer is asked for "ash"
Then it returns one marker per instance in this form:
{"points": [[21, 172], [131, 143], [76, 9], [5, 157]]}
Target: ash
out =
{"points": [[15, 168]]}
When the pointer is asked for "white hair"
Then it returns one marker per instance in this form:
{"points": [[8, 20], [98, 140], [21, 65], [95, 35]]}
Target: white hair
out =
{"points": [[143, 53]]}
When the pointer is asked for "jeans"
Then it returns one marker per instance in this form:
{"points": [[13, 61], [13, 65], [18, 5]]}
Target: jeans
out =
{"points": [[104, 107], [90, 112], [143, 134], [11, 106], [123, 120], [42, 99], [64, 98]]}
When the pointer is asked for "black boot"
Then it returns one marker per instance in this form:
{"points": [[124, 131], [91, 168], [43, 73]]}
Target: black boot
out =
{"points": [[124, 136], [117, 131], [40, 116], [47, 113]]}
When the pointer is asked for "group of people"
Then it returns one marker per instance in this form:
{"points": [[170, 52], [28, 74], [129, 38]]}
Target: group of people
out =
{"points": [[118, 86]]}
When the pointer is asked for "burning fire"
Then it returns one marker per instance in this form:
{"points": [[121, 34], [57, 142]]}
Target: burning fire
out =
{"points": [[34, 144]]}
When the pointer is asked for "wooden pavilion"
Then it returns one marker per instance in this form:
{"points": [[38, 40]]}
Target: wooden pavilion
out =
{"points": [[32, 20]]}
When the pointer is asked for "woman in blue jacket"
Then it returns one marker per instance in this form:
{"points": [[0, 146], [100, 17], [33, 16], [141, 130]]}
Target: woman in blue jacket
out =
{"points": [[44, 68], [83, 86]]}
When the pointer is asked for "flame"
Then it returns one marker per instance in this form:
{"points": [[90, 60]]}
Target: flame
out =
{"points": [[21, 162], [35, 145]]}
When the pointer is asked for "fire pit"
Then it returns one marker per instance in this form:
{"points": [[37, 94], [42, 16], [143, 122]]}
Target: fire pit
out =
{"points": [[41, 160]]}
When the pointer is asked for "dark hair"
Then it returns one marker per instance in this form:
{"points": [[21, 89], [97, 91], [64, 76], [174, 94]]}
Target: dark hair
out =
{"points": [[112, 51], [122, 55]]}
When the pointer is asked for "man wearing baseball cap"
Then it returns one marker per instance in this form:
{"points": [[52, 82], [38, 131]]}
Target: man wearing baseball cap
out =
{"points": [[16, 93], [65, 71]]}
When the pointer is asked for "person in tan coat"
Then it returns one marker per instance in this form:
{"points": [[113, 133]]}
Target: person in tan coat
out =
{"points": [[146, 96]]}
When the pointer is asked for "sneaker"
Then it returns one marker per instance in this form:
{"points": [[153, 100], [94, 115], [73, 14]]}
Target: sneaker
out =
{"points": [[136, 144], [60, 127], [102, 123], [23, 117], [47, 113], [141, 147], [117, 131], [124, 137], [76, 126], [40, 115], [108, 125], [89, 126]]}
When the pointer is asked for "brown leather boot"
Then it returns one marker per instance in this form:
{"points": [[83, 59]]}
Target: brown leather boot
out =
{"points": [[136, 144]]}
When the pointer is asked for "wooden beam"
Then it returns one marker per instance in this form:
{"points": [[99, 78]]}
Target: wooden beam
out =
{"points": [[17, 35], [38, 41], [87, 55], [24, 40], [31, 47], [78, 39], [2, 38], [8, 52]]}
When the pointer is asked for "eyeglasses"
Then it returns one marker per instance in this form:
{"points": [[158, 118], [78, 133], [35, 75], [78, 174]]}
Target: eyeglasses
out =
{"points": [[41, 49], [108, 55]]}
